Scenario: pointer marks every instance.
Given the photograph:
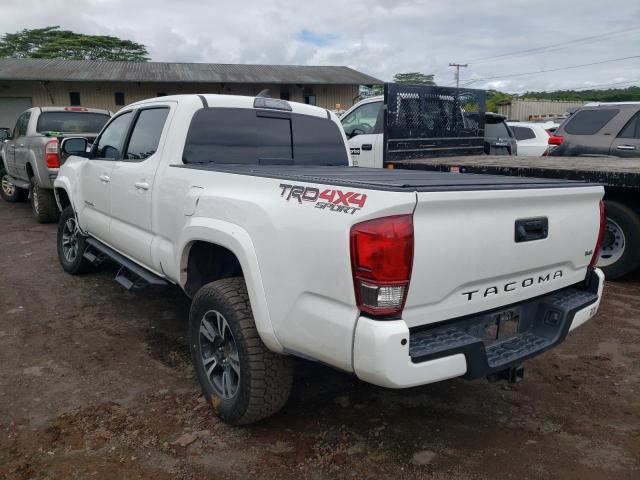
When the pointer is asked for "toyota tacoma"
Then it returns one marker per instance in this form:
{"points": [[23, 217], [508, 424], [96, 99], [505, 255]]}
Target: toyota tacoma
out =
{"points": [[403, 278]]}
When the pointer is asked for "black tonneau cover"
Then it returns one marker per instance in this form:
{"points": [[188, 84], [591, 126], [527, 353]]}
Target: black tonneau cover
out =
{"points": [[384, 179]]}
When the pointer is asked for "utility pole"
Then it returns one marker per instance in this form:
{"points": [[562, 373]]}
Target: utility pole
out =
{"points": [[457, 74]]}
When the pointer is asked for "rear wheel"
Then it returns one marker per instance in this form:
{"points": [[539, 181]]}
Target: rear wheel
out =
{"points": [[620, 252], [43, 203], [241, 379], [8, 191]]}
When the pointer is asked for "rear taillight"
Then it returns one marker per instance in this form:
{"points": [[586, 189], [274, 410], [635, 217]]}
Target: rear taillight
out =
{"points": [[596, 250], [555, 140], [381, 261], [51, 155]]}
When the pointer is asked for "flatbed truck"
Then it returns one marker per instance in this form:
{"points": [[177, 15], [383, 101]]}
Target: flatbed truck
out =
{"points": [[620, 253]]}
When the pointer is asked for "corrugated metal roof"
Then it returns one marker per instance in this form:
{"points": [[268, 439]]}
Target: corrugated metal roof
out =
{"points": [[97, 71]]}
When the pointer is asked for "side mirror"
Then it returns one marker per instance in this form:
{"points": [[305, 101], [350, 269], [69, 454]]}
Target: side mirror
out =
{"points": [[75, 146], [4, 134]]}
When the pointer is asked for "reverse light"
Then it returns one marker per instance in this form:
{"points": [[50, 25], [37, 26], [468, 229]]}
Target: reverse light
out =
{"points": [[381, 261], [51, 154], [596, 250]]}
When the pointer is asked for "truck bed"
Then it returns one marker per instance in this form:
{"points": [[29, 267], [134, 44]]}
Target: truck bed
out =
{"points": [[610, 171], [385, 179]]}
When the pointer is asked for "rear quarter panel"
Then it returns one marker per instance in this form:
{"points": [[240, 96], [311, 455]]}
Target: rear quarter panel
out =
{"points": [[301, 252]]}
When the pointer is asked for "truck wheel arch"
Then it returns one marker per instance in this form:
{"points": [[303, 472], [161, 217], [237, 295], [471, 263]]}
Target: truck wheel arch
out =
{"points": [[62, 198], [226, 253]]}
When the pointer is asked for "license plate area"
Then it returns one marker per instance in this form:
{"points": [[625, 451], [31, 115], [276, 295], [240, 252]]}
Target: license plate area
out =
{"points": [[502, 326]]}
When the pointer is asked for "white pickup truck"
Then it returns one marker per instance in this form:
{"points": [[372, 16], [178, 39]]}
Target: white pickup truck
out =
{"points": [[403, 278]]}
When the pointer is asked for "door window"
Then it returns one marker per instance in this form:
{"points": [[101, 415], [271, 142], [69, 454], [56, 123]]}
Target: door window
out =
{"points": [[21, 125], [146, 133], [109, 145], [362, 120], [632, 128]]}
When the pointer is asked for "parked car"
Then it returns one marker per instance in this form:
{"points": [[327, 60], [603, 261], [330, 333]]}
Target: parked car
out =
{"points": [[249, 205], [599, 129], [532, 138], [30, 158], [498, 137]]}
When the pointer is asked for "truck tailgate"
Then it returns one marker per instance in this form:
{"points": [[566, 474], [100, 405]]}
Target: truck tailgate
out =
{"points": [[481, 250]]}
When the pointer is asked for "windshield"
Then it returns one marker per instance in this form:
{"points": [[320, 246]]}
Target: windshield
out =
{"points": [[71, 122]]}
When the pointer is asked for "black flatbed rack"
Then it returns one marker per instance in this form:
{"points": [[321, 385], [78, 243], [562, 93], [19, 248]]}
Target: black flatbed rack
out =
{"points": [[608, 171]]}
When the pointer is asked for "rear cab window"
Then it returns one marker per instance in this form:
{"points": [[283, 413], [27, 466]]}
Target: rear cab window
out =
{"points": [[588, 122], [262, 137], [522, 133], [71, 122]]}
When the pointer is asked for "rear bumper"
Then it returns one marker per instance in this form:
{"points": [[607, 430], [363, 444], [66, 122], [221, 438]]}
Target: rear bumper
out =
{"points": [[388, 354]]}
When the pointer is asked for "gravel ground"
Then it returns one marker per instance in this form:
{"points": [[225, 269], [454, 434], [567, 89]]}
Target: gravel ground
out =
{"points": [[95, 382]]}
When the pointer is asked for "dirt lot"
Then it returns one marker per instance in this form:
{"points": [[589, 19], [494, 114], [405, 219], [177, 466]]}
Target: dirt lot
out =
{"points": [[95, 382]]}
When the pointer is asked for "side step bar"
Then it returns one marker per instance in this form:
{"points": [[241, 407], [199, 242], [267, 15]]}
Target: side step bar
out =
{"points": [[131, 276]]}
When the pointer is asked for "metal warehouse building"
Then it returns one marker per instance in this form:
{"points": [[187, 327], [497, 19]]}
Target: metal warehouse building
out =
{"points": [[110, 85], [525, 109]]}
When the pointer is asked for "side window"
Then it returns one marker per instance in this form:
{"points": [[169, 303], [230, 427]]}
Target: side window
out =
{"points": [[146, 133], [20, 129], [109, 145], [523, 133], [588, 122], [362, 120], [632, 128]]}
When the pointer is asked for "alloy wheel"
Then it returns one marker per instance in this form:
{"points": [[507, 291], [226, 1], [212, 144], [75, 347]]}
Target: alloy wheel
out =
{"points": [[219, 354]]}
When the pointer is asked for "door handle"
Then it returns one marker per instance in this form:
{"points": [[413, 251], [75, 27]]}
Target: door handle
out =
{"points": [[367, 146], [626, 147], [105, 178], [142, 185]]}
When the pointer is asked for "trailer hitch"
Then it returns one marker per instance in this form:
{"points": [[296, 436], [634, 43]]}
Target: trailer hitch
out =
{"points": [[511, 375]]}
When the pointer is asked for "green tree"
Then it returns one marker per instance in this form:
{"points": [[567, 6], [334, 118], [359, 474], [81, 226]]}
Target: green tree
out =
{"points": [[493, 97], [51, 42], [414, 78]]}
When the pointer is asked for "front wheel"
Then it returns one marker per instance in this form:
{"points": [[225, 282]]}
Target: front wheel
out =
{"points": [[71, 244], [620, 251], [241, 379], [8, 191]]}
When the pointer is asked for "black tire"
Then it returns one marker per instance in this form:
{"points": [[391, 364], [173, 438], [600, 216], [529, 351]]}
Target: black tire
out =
{"points": [[78, 264], [264, 378], [8, 191], [43, 203], [627, 220]]}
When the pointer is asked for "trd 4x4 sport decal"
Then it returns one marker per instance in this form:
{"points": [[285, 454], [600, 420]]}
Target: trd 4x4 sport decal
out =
{"points": [[333, 200]]}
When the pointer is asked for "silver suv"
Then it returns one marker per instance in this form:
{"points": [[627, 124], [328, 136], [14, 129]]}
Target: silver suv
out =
{"points": [[30, 156], [599, 129]]}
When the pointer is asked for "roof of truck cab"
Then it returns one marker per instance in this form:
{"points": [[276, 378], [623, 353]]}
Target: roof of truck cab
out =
{"points": [[233, 101], [72, 109]]}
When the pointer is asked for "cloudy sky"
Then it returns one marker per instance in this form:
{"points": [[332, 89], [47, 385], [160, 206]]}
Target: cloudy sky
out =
{"points": [[378, 37]]}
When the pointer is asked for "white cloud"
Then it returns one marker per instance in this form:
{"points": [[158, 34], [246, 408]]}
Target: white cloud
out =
{"points": [[377, 37]]}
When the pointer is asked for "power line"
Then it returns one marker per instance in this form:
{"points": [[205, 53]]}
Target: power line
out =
{"points": [[555, 46], [507, 75]]}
